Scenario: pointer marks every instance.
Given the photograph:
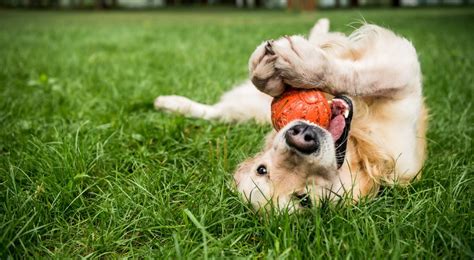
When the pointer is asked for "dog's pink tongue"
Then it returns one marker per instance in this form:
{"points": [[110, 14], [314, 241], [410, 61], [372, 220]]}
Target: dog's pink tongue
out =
{"points": [[336, 127]]}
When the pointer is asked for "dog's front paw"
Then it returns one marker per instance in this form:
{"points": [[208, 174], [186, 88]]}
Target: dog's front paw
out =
{"points": [[262, 71], [299, 63]]}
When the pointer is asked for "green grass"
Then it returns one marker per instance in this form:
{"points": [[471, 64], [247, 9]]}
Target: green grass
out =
{"points": [[88, 168]]}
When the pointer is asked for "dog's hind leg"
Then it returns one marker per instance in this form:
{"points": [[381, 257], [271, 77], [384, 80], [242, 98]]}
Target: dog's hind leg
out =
{"points": [[185, 106], [321, 27], [243, 103]]}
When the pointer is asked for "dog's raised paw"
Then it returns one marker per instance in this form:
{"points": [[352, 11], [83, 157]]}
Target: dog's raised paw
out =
{"points": [[262, 70], [298, 62]]}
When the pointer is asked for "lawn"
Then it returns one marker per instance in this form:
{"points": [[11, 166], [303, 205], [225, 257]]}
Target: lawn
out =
{"points": [[88, 168]]}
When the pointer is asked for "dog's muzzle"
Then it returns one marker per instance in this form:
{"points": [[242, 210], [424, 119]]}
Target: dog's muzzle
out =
{"points": [[303, 137]]}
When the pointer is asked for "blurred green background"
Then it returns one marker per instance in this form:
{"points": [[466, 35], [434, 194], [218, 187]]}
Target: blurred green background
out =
{"points": [[248, 4]]}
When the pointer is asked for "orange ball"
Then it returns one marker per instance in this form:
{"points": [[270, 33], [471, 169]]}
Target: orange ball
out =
{"points": [[305, 104]]}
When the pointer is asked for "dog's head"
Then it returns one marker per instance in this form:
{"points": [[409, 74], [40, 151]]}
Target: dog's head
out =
{"points": [[298, 165]]}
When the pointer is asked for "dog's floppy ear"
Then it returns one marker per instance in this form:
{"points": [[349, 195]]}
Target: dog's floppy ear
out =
{"points": [[269, 140]]}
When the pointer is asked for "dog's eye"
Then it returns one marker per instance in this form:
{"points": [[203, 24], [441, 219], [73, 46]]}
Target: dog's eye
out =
{"points": [[262, 170], [304, 200]]}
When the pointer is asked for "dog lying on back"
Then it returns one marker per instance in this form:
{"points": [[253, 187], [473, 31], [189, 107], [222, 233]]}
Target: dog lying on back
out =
{"points": [[380, 74]]}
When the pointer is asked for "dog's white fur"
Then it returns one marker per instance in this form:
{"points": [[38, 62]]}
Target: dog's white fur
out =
{"points": [[376, 68]]}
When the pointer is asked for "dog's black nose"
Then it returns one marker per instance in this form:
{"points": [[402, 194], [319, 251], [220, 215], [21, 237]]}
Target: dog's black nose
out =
{"points": [[303, 137]]}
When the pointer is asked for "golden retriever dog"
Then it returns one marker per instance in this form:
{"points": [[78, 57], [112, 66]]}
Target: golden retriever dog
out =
{"points": [[377, 131]]}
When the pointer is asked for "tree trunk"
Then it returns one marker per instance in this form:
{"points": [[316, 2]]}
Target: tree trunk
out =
{"points": [[34, 3], [100, 4]]}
